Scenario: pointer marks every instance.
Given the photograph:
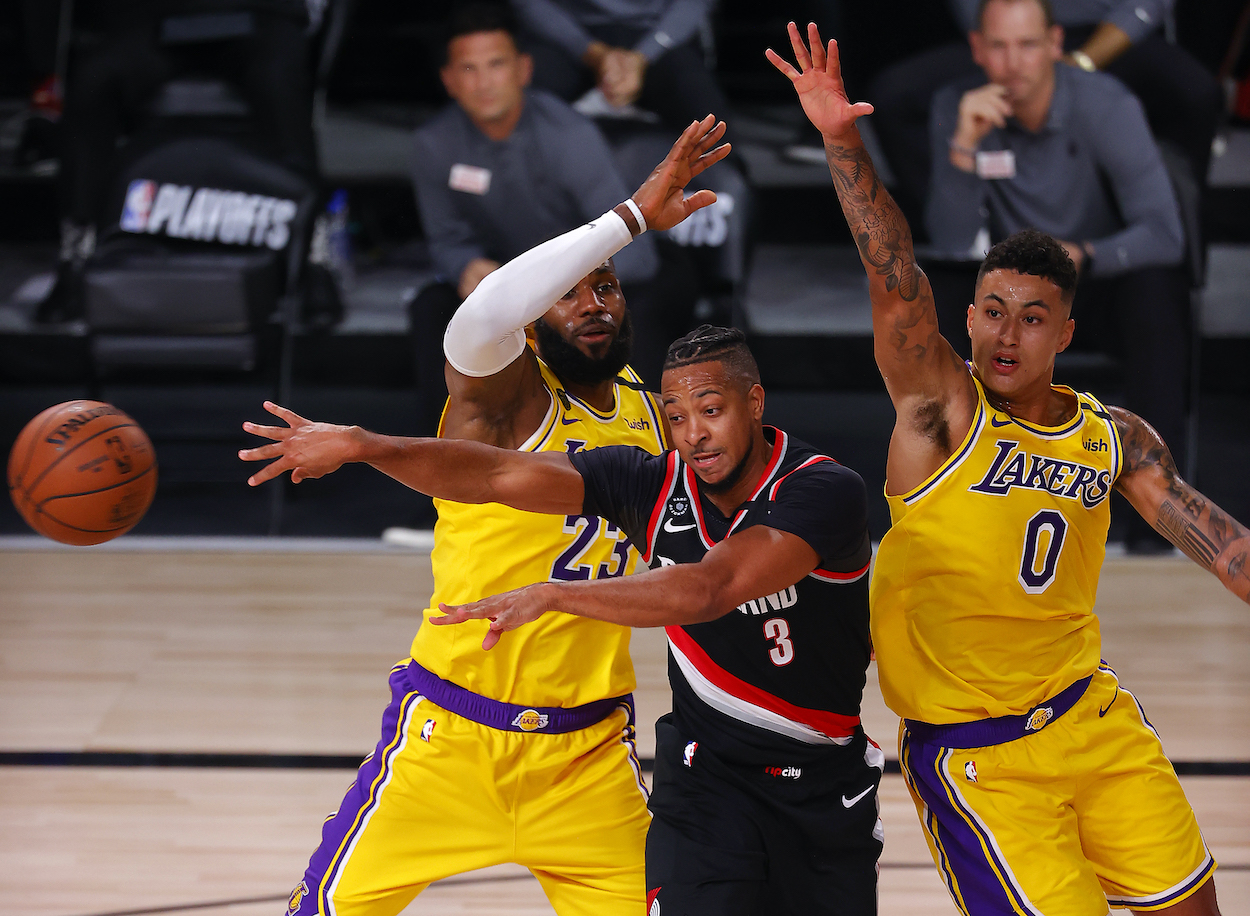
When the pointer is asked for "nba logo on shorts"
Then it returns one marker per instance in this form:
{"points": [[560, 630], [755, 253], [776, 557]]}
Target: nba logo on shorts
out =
{"points": [[970, 770], [1038, 718], [426, 730], [688, 756], [138, 206]]}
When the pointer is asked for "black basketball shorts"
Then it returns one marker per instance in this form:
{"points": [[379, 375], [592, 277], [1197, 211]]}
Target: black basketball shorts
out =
{"points": [[737, 840]]}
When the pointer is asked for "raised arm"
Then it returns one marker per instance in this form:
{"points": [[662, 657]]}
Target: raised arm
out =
{"points": [[758, 561], [914, 359], [455, 469], [1205, 533], [490, 371]]}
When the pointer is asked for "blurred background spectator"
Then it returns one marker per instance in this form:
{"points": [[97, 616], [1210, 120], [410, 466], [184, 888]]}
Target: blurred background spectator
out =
{"points": [[1035, 143], [501, 169], [1182, 99]]}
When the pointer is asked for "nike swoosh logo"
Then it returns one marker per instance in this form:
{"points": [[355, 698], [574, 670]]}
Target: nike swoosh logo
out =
{"points": [[1103, 712], [567, 421], [994, 422], [850, 802], [673, 529]]}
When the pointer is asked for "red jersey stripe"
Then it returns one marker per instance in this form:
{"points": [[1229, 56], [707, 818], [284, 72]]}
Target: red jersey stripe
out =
{"points": [[832, 724]]}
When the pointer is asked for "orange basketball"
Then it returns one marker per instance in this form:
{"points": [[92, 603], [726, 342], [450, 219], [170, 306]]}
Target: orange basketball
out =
{"points": [[82, 472]]}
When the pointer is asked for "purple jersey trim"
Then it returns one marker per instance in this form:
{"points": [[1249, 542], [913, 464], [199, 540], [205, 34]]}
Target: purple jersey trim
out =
{"points": [[989, 732], [550, 720]]}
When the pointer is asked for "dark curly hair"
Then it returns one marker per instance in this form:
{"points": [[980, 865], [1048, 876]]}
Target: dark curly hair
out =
{"points": [[1036, 253], [707, 343]]}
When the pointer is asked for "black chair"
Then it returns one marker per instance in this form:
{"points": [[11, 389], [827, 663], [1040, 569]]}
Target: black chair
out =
{"points": [[201, 268]]}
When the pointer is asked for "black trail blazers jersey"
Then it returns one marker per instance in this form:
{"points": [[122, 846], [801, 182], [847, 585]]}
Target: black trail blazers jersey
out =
{"points": [[782, 672]]}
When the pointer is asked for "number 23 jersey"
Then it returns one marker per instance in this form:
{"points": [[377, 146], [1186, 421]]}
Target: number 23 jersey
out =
{"points": [[983, 590], [780, 672], [482, 550]]}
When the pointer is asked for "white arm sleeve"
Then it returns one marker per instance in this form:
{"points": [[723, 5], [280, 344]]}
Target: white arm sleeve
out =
{"points": [[488, 330]]}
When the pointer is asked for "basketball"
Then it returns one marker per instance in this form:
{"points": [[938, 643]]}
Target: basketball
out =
{"points": [[82, 472]]}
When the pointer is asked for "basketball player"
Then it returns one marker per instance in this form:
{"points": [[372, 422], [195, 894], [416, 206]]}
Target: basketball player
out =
{"points": [[526, 754], [764, 797], [1040, 784]]}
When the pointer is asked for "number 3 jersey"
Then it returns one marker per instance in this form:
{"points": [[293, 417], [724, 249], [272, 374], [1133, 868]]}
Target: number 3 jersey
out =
{"points": [[482, 550], [983, 591], [781, 672]]}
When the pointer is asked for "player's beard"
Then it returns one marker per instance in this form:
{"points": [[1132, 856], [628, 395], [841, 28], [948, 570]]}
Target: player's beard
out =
{"points": [[730, 480], [573, 366]]}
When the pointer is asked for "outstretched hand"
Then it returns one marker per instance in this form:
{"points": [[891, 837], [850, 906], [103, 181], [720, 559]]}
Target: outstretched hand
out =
{"points": [[818, 82], [306, 449], [661, 198], [505, 611]]}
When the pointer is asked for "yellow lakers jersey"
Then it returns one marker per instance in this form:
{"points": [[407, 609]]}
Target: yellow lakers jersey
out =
{"points": [[983, 589], [481, 550]]}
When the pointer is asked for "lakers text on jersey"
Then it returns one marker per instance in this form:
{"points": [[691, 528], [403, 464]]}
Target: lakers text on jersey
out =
{"points": [[983, 589]]}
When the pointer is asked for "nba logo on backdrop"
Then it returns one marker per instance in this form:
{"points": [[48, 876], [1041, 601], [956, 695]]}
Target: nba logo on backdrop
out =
{"points": [[138, 206]]}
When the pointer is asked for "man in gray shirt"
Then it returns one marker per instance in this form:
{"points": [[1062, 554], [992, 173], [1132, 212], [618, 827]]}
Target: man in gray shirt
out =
{"points": [[500, 170], [1048, 146], [1182, 99]]}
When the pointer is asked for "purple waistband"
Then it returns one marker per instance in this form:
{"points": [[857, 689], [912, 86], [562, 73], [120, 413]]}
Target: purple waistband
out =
{"points": [[989, 732], [508, 717]]}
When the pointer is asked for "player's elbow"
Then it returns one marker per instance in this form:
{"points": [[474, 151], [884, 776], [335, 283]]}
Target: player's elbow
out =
{"points": [[714, 599]]}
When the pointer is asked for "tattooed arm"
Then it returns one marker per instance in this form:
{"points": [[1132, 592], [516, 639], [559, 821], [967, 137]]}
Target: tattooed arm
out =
{"points": [[930, 386], [1202, 530]]}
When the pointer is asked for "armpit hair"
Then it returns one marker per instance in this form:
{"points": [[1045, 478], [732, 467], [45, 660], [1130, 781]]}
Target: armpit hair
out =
{"points": [[930, 421]]}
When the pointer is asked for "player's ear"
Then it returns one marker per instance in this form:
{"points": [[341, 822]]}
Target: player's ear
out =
{"points": [[525, 67], [972, 311], [1069, 328], [755, 397]]}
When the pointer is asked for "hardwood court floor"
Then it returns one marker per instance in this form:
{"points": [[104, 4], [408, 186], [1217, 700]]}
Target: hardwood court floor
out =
{"points": [[285, 653]]}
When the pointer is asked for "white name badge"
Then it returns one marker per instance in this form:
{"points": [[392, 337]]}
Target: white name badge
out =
{"points": [[996, 164], [469, 178]]}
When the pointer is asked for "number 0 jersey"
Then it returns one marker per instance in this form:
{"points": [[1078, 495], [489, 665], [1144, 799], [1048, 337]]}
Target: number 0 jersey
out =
{"points": [[481, 550], [781, 672], [983, 590]]}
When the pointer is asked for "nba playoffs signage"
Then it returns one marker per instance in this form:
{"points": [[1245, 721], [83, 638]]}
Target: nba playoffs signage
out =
{"points": [[207, 214]]}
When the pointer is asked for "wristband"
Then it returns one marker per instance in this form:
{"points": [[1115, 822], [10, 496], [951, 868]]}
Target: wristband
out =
{"points": [[1084, 61], [633, 208]]}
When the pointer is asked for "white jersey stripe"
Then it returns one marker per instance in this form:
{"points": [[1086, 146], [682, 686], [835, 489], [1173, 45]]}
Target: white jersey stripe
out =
{"points": [[744, 710]]}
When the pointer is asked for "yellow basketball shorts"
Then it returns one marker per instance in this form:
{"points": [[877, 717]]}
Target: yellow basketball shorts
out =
{"points": [[1082, 811], [443, 794]]}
